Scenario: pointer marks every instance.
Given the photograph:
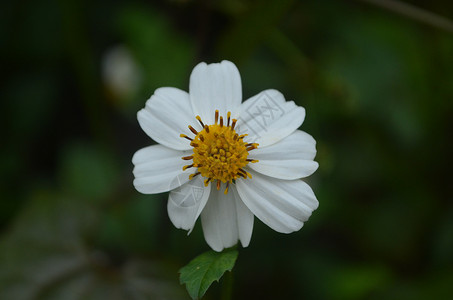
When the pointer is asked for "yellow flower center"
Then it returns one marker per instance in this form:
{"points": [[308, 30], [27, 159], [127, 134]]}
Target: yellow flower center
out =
{"points": [[219, 153]]}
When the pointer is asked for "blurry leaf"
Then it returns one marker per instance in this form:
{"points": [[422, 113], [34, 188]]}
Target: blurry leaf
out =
{"points": [[392, 228], [251, 29], [81, 53], [359, 282], [443, 240], [164, 55], [432, 285], [47, 255], [30, 102], [45, 243], [88, 171], [37, 39], [206, 268], [381, 66], [262, 71], [231, 7], [131, 225]]}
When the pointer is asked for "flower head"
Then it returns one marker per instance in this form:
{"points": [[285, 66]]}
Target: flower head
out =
{"points": [[226, 160]]}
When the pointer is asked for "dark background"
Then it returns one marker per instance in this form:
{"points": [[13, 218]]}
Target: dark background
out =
{"points": [[377, 86]]}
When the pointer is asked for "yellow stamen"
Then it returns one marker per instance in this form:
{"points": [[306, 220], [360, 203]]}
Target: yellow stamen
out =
{"points": [[187, 167], [219, 153], [191, 176], [193, 130], [199, 120], [186, 137], [233, 123]]}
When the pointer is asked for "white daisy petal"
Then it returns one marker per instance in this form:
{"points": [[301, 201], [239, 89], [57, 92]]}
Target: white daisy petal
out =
{"points": [[215, 86], [186, 203], [220, 153], [283, 205], [166, 115], [225, 219], [157, 168], [267, 118], [245, 219], [290, 158]]}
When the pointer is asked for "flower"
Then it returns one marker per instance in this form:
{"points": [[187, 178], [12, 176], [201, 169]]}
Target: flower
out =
{"points": [[225, 160]]}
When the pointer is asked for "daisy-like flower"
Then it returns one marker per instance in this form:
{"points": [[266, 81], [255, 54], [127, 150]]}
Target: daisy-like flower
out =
{"points": [[226, 160]]}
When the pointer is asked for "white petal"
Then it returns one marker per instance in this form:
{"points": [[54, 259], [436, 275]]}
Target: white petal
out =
{"points": [[283, 205], [167, 114], [215, 86], [290, 158], [185, 203], [244, 217], [225, 219], [157, 169], [267, 118]]}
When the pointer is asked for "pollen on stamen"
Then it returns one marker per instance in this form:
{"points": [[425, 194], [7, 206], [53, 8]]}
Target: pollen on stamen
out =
{"points": [[193, 130], [219, 152], [199, 120], [187, 167], [191, 176], [186, 137], [233, 124], [250, 148], [226, 189], [242, 174], [246, 173]]}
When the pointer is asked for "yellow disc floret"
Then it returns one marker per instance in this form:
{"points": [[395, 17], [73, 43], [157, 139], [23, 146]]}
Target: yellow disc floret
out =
{"points": [[219, 152]]}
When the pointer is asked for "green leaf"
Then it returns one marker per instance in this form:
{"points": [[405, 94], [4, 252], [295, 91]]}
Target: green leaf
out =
{"points": [[47, 254], [201, 272], [88, 171]]}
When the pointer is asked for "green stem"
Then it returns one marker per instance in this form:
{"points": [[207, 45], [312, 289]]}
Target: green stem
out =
{"points": [[227, 286]]}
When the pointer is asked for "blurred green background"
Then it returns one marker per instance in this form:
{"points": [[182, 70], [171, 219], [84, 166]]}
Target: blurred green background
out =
{"points": [[377, 87]]}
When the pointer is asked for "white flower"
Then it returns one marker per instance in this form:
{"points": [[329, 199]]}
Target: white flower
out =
{"points": [[120, 72], [226, 160]]}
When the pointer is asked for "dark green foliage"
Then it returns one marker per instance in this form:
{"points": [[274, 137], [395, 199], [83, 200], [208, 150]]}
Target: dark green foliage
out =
{"points": [[377, 88]]}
